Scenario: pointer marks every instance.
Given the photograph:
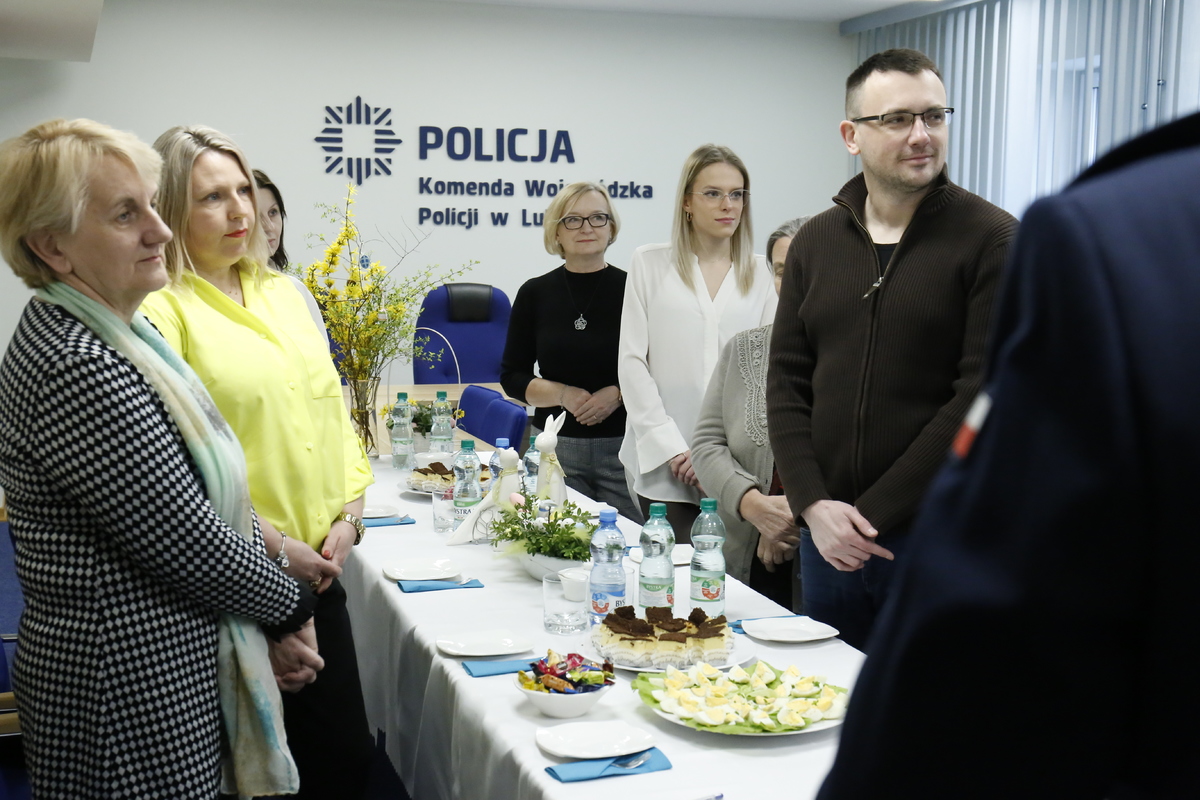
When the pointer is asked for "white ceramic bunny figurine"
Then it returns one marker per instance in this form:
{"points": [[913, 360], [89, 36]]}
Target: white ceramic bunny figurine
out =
{"points": [[552, 481], [477, 527]]}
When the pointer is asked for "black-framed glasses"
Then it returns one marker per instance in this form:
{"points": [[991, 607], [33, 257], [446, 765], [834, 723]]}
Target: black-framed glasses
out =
{"points": [[933, 118], [574, 223], [715, 196]]}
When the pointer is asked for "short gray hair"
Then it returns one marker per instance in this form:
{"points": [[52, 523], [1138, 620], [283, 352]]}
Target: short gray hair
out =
{"points": [[787, 230]]}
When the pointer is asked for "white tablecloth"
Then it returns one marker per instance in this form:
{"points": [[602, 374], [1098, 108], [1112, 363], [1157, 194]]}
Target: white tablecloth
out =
{"points": [[453, 736]]}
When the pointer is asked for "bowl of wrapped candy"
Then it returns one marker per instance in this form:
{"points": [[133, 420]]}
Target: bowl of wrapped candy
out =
{"points": [[565, 686]]}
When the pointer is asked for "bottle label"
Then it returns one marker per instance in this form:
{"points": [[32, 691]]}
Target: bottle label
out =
{"points": [[607, 602], [656, 594], [462, 510], [708, 588]]}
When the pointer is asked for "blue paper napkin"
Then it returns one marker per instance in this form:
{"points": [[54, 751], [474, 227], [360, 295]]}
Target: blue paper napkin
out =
{"points": [[603, 768], [736, 625], [437, 586], [380, 522], [485, 669]]}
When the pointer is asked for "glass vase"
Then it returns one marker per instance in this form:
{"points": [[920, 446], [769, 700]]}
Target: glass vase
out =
{"points": [[362, 412]]}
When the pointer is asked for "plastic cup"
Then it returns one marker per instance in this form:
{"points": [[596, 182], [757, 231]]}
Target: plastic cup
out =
{"points": [[575, 582]]}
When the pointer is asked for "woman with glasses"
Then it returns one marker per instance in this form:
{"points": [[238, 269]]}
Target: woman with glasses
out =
{"points": [[686, 299], [568, 322]]}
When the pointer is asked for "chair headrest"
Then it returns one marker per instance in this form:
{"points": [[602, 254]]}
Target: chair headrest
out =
{"points": [[470, 302]]}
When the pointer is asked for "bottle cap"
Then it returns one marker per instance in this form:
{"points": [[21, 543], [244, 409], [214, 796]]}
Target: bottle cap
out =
{"points": [[502, 442], [532, 440], [441, 395], [469, 445], [708, 504], [608, 514], [658, 510], [401, 397]]}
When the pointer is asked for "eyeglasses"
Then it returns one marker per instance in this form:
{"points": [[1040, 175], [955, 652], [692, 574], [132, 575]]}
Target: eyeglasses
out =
{"points": [[899, 121], [574, 223], [714, 196]]}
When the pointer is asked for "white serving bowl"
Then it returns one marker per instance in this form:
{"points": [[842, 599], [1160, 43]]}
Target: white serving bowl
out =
{"points": [[539, 566], [562, 706]]}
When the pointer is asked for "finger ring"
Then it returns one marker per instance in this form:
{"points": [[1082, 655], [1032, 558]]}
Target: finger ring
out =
{"points": [[314, 584]]}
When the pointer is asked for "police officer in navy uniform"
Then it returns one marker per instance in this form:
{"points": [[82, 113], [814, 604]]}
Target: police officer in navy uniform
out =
{"points": [[1042, 641]]}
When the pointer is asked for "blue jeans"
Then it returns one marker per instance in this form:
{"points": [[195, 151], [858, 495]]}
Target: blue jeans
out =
{"points": [[594, 468], [850, 601]]}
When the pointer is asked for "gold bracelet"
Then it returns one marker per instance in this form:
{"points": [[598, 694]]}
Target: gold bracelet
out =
{"points": [[562, 395]]}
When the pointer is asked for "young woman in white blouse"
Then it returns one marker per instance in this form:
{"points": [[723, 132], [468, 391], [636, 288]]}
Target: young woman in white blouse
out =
{"points": [[683, 301]]}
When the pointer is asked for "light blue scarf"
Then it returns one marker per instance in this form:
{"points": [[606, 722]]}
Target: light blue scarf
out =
{"points": [[258, 761]]}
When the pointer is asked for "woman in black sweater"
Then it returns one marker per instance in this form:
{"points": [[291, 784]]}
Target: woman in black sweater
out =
{"points": [[568, 322]]}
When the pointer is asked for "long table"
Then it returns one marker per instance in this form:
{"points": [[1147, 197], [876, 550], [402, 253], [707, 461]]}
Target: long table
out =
{"points": [[451, 736]]}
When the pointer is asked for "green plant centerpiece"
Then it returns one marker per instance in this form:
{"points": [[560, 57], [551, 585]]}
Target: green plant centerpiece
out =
{"points": [[566, 533]]}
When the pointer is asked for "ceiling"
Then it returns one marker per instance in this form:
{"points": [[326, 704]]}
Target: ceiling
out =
{"points": [[799, 10], [63, 30]]}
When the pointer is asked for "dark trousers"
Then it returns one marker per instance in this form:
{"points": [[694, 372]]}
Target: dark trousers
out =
{"points": [[326, 721], [850, 601], [777, 585], [680, 515]]}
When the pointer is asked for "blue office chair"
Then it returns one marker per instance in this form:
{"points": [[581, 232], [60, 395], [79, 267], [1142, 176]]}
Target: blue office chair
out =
{"points": [[504, 419], [474, 405], [468, 323]]}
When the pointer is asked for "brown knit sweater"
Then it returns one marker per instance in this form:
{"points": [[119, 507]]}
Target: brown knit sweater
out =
{"points": [[865, 395]]}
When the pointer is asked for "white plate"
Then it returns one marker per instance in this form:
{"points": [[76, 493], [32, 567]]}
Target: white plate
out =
{"points": [[680, 556], [594, 739], [789, 629], [495, 642], [823, 725], [423, 569], [743, 650], [380, 512], [413, 494]]}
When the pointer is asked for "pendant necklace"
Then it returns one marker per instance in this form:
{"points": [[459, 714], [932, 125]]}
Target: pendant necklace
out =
{"points": [[581, 323]]}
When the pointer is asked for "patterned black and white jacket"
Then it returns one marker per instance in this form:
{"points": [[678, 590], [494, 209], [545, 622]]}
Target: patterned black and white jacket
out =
{"points": [[125, 567]]}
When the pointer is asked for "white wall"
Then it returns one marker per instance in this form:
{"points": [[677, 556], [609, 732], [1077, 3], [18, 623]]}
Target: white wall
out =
{"points": [[635, 92]]}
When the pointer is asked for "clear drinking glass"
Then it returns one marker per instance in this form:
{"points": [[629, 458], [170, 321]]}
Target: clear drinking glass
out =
{"points": [[561, 614], [443, 510]]}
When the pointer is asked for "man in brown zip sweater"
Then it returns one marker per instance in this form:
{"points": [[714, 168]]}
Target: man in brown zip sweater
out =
{"points": [[879, 339]]}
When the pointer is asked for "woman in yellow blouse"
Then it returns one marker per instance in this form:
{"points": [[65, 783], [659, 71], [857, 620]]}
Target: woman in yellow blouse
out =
{"points": [[247, 332]]}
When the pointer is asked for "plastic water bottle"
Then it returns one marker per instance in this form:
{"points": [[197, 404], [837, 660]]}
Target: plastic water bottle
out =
{"points": [[656, 577], [606, 585], [533, 459], [494, 464], [708, 560], [441, 431], [402, 433], [467, 490]]}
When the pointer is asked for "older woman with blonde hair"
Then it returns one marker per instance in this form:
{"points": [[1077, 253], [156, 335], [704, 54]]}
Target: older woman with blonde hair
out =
{"points": [[136, 544], [568, 323], [686, 299], [247, 332]]}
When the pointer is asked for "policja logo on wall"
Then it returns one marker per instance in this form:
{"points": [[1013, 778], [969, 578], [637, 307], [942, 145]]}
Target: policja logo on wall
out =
{"points": [[332, 140]]}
